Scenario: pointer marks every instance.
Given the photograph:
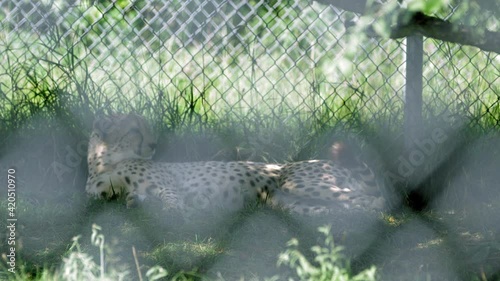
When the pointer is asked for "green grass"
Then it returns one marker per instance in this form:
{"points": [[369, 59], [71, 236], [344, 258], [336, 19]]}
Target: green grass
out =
{"points": [[79, 264], [184, 87]]}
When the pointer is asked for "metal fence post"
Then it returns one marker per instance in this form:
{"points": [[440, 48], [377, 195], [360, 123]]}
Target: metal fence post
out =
{"points": [[413, 89]]}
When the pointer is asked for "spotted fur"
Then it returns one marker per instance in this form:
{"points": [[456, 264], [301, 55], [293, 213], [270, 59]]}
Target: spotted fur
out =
{"points": [[119, 160]]}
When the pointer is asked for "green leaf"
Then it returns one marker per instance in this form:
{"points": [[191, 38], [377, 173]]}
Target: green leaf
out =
{"points": [[427, 6]]}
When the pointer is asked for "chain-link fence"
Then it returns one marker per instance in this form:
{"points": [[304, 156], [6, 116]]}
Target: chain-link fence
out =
{"points": [[284, 58], [277, 62]]}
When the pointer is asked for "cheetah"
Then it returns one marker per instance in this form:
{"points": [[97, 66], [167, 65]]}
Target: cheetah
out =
{"points": [[319, 186], [120, 154], [119, 161]]}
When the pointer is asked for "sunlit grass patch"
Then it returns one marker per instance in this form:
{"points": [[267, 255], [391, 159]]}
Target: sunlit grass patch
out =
{"points": [[185, 255]]}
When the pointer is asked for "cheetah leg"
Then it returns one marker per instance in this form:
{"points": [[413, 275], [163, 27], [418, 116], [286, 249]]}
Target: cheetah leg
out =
{"points": [[133, 199]]}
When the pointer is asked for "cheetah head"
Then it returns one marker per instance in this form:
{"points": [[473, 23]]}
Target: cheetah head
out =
{"points": [[121, 137], [116, 138]]}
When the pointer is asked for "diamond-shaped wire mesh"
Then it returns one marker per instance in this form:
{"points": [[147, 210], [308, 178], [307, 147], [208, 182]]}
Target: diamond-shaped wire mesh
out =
{"points": [[230, 61], [283, 58]]}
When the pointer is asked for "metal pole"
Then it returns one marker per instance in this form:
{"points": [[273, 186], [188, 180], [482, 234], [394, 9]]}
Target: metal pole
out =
{"points": [[413, 89]]}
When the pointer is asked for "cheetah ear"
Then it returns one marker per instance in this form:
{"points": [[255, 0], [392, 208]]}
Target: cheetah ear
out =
{"points": [[102, 124], [132, 116], [343, 153], [130, 119], [140, 121], [137, 119]]}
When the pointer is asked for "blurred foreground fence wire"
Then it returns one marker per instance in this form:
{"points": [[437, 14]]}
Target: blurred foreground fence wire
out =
{"points": [[278, 60], [286, 58]]}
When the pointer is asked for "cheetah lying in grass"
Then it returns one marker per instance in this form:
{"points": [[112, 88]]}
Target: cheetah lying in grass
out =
{"points": [[119, 161]]}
